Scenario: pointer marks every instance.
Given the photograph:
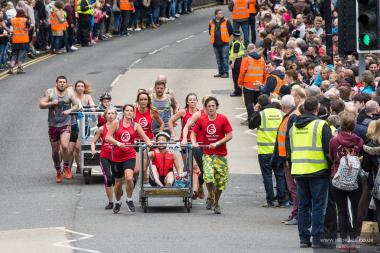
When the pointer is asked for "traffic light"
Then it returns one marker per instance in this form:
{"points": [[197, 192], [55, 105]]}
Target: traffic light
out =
{"points": [[347, 42], [368, 26]]}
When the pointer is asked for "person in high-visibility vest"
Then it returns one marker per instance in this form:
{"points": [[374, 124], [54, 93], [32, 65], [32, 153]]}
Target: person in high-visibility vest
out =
{"points": [[251, 77], [310, 165], [280, 154], [86, 12], [58, 26], [275, 80], [20, 40], [267, 119], [253, 10], [126, 8], [220, 30], [237, 52], [240, 16]]}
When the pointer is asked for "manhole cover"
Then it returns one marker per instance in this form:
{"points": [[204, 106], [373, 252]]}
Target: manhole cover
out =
{"points": [[221, 91]]}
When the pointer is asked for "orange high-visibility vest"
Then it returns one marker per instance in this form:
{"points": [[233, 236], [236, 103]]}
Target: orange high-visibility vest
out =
{"points": [[125, 5], [240, 10], [255, 72], [20, 31], [281, 136], [279, 83], [252, 7], [225, 36], [56, 26]]}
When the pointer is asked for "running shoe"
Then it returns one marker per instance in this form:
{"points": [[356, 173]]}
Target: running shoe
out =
{"points": [[58, 177], [209, 203], [217, 209], [131, 206], [109, 206], [68, 174], [116, 208]]}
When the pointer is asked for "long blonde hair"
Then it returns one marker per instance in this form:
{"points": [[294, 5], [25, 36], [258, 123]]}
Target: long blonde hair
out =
{"points": [[374, 131]]}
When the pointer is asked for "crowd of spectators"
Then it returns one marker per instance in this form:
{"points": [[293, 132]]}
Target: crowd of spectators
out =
{"points": [[104, 20]]}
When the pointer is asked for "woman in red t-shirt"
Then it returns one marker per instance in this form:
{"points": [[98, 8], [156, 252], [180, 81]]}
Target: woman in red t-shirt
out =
{"points": [[122, 135], [105, 157], [145, 114], [216, 131], [185, 114]]}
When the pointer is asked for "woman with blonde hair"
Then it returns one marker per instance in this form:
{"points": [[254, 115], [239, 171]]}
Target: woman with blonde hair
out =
{"points": [[371, 160]]}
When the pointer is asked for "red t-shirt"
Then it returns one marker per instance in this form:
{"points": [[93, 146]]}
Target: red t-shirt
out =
{"points": [[124, 135], [213, 131]]}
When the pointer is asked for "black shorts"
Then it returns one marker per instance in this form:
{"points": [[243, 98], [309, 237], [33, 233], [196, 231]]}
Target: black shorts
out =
{"points": [[118, 168], [74, 133]]}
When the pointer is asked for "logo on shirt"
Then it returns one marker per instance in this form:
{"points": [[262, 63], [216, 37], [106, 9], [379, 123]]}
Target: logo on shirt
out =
{"points": [[143, 122], [125, 137], [211, 129]]}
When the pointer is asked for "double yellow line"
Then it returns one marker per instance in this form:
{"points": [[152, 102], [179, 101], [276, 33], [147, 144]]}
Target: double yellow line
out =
{"points": [[26, 64]]}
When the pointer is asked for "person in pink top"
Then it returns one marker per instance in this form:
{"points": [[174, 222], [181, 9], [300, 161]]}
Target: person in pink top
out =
{"points": [[216, 131]]}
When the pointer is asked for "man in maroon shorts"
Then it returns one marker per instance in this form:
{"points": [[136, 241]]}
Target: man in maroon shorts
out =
{"points": [[60, 101]]}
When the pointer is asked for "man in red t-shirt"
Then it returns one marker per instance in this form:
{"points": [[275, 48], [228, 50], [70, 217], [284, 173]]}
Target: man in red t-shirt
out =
{"points": [[216, 131]]}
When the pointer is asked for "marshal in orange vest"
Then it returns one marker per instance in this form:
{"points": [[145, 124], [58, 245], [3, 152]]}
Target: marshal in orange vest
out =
{"points": [[240, 10], [252, 73], [252, 7], [225, 36], [126, 5], [279, 83], [20, 31], [281, 136], [56, 25]]}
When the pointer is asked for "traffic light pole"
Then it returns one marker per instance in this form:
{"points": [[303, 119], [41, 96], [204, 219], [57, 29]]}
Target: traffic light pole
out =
{"points": [[328, 28], [361, 63]]}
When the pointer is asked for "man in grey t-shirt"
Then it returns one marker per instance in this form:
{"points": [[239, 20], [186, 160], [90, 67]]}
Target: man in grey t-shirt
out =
{"points": [[60, 101]]}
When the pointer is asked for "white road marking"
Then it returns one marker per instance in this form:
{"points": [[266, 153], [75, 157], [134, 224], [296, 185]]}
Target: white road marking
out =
{"points": [[240, 116], [236, 187], [49, 210], [158, 50], [79, 207], [66, 244], [205, 31], [134, 63], [251, 132], [115, 80], [179, 41], [17, 212]]}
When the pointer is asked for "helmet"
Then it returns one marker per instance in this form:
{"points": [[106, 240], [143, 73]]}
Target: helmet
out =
{"points": [[166, 135], [105, 96]]}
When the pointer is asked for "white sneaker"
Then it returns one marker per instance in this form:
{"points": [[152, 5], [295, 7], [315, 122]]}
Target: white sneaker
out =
{"points": [[171, 18], [177, 15], [138, 29], [74, 48], [130, 29]]}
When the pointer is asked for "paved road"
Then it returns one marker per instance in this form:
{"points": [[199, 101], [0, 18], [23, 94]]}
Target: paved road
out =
{"points": [[30, 199]]}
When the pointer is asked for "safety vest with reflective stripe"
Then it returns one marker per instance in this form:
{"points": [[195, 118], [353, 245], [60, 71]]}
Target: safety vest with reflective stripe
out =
{"points": [[279, 83], [255, 73], [252, 7], [20, 31], [225, 36], [89, 11], [281, 136], [266, 133], [57, 26], [240, 10], [306, 148], [125, 5], [241, 52]]}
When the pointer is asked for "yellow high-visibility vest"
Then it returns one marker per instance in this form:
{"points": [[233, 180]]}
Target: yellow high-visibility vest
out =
{"points": [[271, 119], [306, 148]]}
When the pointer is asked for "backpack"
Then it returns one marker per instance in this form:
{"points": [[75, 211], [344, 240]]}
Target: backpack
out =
{"points": [[376, 184], [346, 178]]}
